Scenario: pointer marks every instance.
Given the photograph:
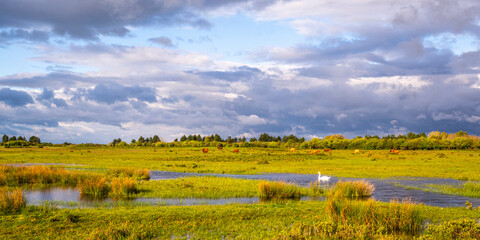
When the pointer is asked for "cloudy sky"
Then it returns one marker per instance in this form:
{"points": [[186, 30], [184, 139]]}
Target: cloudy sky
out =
{"points": [[94, 70]]}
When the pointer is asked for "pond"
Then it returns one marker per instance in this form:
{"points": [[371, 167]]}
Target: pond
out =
{"points": [[385, 189]]}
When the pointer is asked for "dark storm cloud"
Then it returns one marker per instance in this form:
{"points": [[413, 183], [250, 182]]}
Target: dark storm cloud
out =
{"points": [[87, 19], [112, 92], [14, 98], [164, 41]]}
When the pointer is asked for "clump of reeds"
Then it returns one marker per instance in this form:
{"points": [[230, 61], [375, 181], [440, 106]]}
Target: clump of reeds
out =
{"points": [[401, 218], [123, 187], [316, 189], [11, 201], [94, 187], [129, 172], [351, 189], [278, 191], [10, 175]]}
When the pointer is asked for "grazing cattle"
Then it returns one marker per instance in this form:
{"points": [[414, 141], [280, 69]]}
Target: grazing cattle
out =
{"points": [[220, 148], [392, 150], [292, 149], [371, 152], [205, 150], [356, 151], [327, 150], [396, 151], [236, 150], [453, 153], [314, 151]]}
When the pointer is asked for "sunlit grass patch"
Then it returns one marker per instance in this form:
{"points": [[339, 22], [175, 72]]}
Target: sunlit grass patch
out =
{"points": [[143, 174], [198, 187], [351, 189], [11, 201], [278, 191], [123, 187], [454, 229], [11, 175], [94, 187]]}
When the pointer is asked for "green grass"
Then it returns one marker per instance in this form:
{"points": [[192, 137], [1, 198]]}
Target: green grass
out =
{"points": [[279, 191], [198, 187], [342, 163], [338, 217], [468, 189], [359, 189]]}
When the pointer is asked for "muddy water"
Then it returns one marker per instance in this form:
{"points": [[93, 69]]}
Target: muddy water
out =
{"points": [[385, 189]]}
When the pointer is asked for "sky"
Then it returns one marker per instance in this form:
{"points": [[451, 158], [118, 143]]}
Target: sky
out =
{"points": [[94, 70]]}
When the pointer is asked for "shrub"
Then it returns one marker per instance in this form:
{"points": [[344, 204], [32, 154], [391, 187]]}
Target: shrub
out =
{"points": [[129, 172], [278, 191], [11, 201]]}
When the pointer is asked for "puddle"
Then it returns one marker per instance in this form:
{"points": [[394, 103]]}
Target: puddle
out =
{"points": [[385, 189]]}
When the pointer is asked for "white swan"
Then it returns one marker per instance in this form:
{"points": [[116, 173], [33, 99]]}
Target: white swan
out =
{"points": [[323, 178]]}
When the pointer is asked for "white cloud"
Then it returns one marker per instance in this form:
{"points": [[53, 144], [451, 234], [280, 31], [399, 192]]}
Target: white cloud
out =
{"points": [[251, 120]]}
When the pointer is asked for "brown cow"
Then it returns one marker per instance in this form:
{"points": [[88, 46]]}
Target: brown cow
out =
{"points": [[356, 151], [392, 150], [205, 150], [220, 148], [396, 151], [327, 150], [236, 150], [314, 151], [292, 149]]}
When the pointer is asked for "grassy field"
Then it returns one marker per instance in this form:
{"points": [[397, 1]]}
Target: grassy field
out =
{"points": [[120, 171], [462, 165]]}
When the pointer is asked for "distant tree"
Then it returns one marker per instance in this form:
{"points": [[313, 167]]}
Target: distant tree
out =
{"points": [[133, 141], [34, 140], [217, 138], [183, 138], [141, 139], [176, 140], [156, 139], [13, 138], [20, 138], [4, 138], [253, 139], [242, 139]]}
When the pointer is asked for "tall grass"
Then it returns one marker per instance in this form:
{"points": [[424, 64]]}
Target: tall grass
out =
{"points": [[12, 176], [11, 201], [396, 217], [278, 191], [94, 187], [351, 189], [143, 174], [123, 187]]}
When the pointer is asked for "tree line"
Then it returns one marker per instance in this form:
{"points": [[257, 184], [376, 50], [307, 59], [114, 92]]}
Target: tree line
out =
{"points": [[410, 141], [19, 141]]}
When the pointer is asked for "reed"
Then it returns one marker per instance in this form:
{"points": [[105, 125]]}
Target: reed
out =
{"points": [[359, 189], [398, 218], [278, 191], [124, 187], [12, 176], [11, 201], [129, 172], [94, 187], [317, 189]]}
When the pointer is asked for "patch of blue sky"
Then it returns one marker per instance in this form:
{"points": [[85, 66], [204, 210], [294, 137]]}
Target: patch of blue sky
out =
{"points": [[230, 38], [16, 58], [456, 43]]}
